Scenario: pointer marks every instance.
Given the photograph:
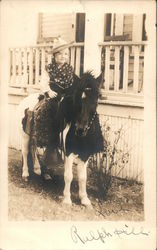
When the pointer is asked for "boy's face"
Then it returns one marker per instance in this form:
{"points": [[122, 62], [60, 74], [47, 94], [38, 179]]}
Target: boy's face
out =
{"points": [[62, 56]]}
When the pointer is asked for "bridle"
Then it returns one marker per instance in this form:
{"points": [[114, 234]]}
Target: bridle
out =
{"points": [[91, 122], [85, 130]]}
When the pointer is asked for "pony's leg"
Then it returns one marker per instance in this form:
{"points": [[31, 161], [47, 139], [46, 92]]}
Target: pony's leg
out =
{"points": [[68, 175], [37, 168], [82, 179], [47, 160], [25, 150]]}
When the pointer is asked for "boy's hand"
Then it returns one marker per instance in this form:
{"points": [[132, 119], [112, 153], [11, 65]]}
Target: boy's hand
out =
{"points": [[52, 94]]}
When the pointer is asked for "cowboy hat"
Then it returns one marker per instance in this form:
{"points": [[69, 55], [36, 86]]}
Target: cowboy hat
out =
{"points": [[59, 44]]}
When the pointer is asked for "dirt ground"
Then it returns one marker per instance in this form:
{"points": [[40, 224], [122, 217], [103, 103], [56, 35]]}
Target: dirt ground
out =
{"points": [[42, 200]]}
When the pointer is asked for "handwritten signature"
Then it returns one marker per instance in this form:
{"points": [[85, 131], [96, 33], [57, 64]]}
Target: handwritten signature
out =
{"points": [[102, 234], [116, 210]]}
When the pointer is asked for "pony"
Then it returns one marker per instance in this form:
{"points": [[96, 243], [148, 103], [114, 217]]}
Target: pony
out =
{"points": [[81, 132], [84, 136]]}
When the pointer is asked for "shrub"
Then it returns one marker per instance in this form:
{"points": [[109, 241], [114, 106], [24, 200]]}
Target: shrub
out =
{"points": [[112, 160]]}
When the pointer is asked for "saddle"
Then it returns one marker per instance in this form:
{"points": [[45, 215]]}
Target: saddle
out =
{"points": [[38, 138]]}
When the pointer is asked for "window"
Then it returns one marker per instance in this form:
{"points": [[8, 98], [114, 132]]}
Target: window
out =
{"points": [[127, 27]]}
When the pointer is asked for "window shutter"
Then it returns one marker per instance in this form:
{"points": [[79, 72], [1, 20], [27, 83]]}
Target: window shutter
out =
{"points": [[108, 19], [80, 27]]}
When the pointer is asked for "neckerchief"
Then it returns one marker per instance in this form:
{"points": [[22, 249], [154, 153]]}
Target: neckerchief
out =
{"points": [[62, 76]]}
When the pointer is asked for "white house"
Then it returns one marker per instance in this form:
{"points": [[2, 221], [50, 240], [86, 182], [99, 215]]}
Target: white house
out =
{"points": [[108, 35]]}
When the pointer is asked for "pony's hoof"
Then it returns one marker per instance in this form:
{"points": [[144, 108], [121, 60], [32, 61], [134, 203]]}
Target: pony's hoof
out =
{"points": [[85, 201], [25, 178], [25, 175], [67, 201], [37, 171], [47, 177]]}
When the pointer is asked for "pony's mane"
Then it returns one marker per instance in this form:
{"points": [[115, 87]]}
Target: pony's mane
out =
{"points": [[88, 80], [88, 76]]}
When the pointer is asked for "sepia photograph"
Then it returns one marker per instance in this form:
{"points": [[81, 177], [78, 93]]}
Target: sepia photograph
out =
{"points": [[78, 125]]}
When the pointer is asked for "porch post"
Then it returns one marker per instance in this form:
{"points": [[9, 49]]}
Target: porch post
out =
{"points": [[94, 31]]}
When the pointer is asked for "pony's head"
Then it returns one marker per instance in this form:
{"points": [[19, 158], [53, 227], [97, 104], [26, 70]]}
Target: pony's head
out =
{"points": [[85, 102]]}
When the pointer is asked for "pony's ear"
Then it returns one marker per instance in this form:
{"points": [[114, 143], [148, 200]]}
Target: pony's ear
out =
{"points": [[99, 79]]}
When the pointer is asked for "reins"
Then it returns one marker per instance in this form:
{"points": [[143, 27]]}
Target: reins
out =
{"points": [[90, 123]]}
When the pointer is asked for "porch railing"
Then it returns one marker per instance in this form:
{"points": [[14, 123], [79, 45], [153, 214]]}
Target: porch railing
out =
{"points": [[122, 62], [28, 63], [123, 65]]}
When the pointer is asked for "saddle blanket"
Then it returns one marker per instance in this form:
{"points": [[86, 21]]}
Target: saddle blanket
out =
{"points": [[41, 123]]}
